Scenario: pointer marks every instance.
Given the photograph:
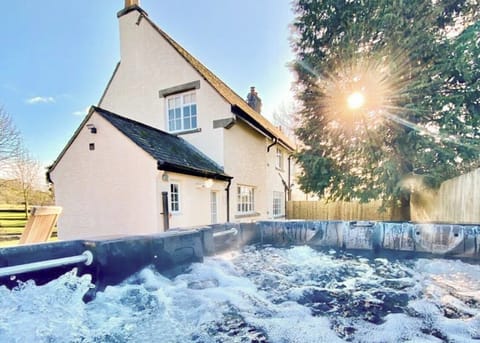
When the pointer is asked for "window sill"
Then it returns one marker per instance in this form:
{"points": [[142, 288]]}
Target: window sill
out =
{"points": [[186, 132], [246, 215], [279, 216]]}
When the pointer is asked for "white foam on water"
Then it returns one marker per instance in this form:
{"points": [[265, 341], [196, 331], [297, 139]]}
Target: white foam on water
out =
{"points": [[264, 295], [397, 328], [33, 313]]}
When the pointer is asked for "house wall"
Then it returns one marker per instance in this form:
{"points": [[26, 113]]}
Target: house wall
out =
{"points": [[107, 191], [118, 184], [274, 177], [246, 158], [195, 197], [150, 64]]}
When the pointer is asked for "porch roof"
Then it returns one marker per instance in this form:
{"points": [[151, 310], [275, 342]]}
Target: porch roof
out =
{"points": [[172, 153]]}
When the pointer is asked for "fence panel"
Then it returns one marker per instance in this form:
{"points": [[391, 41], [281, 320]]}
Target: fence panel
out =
{"points": [[456, 201], [341, 210]]}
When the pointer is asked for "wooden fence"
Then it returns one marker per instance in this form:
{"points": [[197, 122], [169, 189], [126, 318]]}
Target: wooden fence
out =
{"points": [[341, 210], [12, 224], [456, 201]]}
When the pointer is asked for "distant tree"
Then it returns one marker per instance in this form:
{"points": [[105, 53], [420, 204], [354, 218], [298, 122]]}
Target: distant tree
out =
{"points": [[10, 140], [26, 172], [372, 76], [284, 118]]}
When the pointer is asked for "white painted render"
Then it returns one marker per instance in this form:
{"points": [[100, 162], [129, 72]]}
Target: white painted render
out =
{"points": [[117, 188], [150, 64], [247, 158], [194, 199], [106, 191]]}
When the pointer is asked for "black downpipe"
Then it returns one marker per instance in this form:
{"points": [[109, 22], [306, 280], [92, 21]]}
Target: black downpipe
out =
{"points": [[288, 180], [275, 140], [228, 199], [166, 213]]}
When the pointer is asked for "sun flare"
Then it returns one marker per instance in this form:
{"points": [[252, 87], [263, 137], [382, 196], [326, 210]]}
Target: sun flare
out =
{"points": [[367, 86], [355, 100]]}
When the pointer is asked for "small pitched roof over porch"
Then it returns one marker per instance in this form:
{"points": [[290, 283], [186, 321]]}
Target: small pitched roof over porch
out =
{"points": [[171, 152]]}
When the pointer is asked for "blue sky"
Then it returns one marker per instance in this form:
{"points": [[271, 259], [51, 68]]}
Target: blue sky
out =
{"points": [[57, 56]]}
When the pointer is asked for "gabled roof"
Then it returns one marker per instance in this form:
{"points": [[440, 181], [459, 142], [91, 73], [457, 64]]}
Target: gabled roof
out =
{"points": [[172, 153], [239, 105]]}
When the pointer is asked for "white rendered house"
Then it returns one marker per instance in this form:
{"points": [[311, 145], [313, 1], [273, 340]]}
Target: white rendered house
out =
{"points": [[120, 172]]}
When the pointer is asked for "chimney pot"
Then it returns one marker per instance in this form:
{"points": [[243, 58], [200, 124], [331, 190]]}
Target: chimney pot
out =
{"points": [[130, 3], [253, 100]]}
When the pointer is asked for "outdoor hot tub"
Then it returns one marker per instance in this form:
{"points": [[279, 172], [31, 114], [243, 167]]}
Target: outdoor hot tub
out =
{"points": [[294, 281]]}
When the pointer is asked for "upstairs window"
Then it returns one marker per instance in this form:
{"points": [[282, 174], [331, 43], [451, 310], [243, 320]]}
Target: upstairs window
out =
{"points": [[245, 199], [182, 112], [279, 159]]}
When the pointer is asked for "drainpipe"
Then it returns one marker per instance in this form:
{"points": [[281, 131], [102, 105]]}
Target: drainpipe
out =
{"points": [[165, 213], [275, 140], [288, 179], [228, 199]]}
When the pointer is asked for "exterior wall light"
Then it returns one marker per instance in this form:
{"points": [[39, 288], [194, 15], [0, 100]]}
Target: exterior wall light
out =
{"points": [[208, 183], [165, 177]]}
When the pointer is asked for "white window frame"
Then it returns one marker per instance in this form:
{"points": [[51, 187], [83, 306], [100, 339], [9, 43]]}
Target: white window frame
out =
{"points": [[278, 209], [175, 197], [245, 199], [179, 103], [279, 159], [214, 207]]}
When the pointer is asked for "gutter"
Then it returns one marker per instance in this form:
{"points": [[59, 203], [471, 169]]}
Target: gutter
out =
{"points": [[161, 165], [258, 126]]}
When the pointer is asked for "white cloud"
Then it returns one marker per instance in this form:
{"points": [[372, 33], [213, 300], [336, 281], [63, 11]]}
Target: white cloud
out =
{"points": [[81, 112], [40, 99]]}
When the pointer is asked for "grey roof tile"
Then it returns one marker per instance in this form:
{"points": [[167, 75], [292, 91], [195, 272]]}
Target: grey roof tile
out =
{"points": [[171, 152]]}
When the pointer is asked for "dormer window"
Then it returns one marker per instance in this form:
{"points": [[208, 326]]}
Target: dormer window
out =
{"points": [[182, 112]]}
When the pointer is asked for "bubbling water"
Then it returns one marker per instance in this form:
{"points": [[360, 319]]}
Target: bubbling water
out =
{"points": [[259, 295]]}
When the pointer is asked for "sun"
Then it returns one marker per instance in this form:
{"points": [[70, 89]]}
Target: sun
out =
{"points": [[355, 100], [364, 88]]}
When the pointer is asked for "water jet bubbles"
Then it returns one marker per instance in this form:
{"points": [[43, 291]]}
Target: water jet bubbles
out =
{"points": [[267, 295]]}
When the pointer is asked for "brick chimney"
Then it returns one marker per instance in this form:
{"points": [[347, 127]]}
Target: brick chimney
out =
{"points": [[253, 100], [130, 3]]}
